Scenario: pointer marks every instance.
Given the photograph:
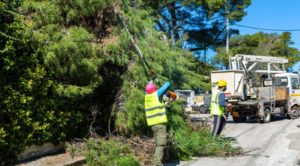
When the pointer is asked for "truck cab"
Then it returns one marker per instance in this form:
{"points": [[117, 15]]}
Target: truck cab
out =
{"points": [[291, 81]]}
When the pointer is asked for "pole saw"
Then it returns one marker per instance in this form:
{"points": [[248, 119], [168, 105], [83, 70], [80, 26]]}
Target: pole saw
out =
{"points": [[150, 72], [147, 67]]}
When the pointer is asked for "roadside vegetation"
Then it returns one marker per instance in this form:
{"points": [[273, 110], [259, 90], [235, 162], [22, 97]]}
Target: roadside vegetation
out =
{"points": [[100, 152], [200, 143], [69, 70], [183, 144]]}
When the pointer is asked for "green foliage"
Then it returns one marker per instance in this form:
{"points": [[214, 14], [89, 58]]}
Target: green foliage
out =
{"points": [[71, 61], [200, 143], [232, 9], [235, 8], [202, 36], [187, 143], [66, 12], [20, 82], [260, 44], [58, 73], [48, 74], [105, 153], [170, 64]]}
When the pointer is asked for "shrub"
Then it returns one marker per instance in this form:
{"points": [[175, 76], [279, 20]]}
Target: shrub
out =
{"points": [[187, 142], [190, 143], [99, 152]]}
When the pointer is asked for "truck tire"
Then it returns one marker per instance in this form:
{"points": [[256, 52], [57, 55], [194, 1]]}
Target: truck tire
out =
{"points": [[294, 114], [202, 109], [272, 117], [239, 119], [267, 116]]}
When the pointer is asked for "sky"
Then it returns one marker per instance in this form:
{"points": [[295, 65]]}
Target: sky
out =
{"points": [[273, 14]]}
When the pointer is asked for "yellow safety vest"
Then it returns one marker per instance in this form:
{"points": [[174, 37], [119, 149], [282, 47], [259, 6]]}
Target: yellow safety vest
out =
{"points": [[155, 110], [215, 108]]}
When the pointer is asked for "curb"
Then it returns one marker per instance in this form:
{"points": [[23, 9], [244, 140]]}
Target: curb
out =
{"points": [[77, 162]]}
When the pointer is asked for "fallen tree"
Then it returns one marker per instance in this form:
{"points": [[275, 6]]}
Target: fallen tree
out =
{"points": [[70, 71]]}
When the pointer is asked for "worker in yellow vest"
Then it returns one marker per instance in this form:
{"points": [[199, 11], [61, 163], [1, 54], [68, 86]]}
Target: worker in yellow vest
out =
{"points": [[217, 108], [157, 118]]}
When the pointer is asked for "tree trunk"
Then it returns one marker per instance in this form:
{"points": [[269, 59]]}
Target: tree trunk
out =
{"points": [[173, 32]]}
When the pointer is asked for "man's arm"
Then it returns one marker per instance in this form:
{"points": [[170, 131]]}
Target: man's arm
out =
{"points": [[222, 102], [163, 89]]}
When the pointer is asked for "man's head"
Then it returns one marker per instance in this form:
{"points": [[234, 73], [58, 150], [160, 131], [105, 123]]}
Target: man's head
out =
{"points": [[150, 88], [222, 84], [207, 92]]}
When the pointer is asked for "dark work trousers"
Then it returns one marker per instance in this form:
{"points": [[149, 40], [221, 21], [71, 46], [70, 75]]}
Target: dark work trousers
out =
{"points": [[160, 137], [219, 124]]}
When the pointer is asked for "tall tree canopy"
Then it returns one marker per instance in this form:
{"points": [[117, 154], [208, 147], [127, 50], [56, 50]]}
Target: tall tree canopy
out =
{"points": [[260, 44], [200, 24], [69, 69]]}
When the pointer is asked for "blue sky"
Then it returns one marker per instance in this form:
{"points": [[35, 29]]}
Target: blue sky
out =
{"points": [[266, 14], [273, 14]]}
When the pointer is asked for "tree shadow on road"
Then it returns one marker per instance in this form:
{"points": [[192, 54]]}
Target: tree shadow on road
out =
{"points": [[253, 119], [173, 163]]}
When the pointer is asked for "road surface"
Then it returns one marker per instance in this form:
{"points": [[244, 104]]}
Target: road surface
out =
{"points": [[271, 144]]}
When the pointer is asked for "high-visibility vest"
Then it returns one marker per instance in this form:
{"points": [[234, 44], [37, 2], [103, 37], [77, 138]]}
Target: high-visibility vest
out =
{"points": [[155, 110], [215, 108]]}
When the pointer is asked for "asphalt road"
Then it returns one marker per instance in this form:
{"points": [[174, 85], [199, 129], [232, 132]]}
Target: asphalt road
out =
{"points": [[271, 144]]}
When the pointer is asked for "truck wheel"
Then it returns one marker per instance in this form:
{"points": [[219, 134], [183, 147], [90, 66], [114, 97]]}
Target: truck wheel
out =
{"points": [[294, 113], [239, 119], [202, 109], [272, 117], [267, 116]]}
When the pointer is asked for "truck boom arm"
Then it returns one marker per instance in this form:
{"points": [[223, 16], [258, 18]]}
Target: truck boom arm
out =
{"points": [[249, 62]]}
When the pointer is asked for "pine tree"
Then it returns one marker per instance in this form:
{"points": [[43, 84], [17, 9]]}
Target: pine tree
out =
{"points": [[261, 44], [70, 70]]}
